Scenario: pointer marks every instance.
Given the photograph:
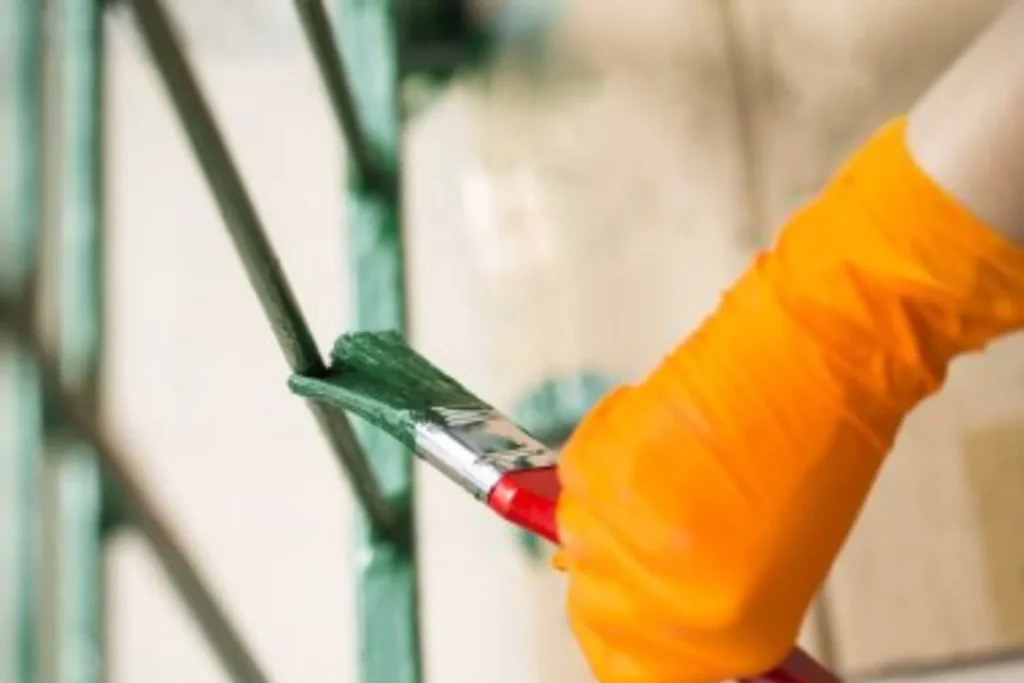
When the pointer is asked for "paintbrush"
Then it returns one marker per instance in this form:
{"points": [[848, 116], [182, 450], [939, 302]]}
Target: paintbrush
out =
{"points": [[378, 377]]}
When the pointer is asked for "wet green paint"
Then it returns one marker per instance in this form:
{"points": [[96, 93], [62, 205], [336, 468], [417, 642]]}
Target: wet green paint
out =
{"points": [[381, 379], [378, 377]]}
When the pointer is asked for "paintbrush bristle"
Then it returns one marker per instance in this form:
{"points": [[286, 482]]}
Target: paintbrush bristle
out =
{"points": [[380, 378]]}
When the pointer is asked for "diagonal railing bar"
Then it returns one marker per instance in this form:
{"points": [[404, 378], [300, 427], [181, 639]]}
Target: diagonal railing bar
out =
{"points": [[316, 23], [76, 415], [258, 257]]}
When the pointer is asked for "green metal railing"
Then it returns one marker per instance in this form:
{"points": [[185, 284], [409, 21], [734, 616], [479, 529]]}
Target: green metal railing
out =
{"points": [[388, 614], [246, 230], [359, 63], [68, 378], [80, 329], [21, 437]]}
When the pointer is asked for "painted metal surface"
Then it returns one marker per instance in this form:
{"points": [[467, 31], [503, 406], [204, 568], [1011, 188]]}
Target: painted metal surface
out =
{"points": [[389, 641], [249, 236], [21, 431], [317, 26], [80, 303]]}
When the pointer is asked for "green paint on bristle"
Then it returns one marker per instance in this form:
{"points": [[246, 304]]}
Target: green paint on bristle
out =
{"points": [[378, 377]]}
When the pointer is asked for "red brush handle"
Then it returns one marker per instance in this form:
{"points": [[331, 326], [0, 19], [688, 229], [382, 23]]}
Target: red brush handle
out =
{"points": [[528, 498]]}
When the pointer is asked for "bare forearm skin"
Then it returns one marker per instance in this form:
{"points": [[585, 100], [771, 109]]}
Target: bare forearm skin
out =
{"points": [[967, 132]]}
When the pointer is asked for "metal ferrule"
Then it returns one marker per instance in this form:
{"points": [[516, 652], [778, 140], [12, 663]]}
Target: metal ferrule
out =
{"points": [[476, 447]]}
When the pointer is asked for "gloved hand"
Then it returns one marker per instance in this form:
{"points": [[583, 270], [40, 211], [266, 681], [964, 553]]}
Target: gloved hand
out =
{"points": [[702, 508]]}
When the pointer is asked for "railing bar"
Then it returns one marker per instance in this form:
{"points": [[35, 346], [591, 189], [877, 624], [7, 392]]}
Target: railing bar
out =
{"points": [[389, 615], [22, 431], [261, 263], [317, 25], [79, 574], [225, 641], [233, 201]]}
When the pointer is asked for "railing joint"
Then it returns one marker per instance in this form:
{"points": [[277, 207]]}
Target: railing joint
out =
{"points": [[374, 173]]}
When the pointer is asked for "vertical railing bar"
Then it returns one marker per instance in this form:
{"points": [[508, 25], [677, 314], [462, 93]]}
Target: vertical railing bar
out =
{"points": [[261, 264], [80, 327], [317, 25], [22, 435], [78, 418], [389, 635]]}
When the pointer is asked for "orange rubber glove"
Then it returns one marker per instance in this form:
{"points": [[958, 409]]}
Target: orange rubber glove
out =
{"points": [[702, 508]]}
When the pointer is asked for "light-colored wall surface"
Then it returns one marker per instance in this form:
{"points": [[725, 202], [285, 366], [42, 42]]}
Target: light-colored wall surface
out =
{"points": [[1005, 672]]}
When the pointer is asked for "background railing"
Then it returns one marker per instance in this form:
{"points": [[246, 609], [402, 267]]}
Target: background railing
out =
{"points": [[55, 388]]}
